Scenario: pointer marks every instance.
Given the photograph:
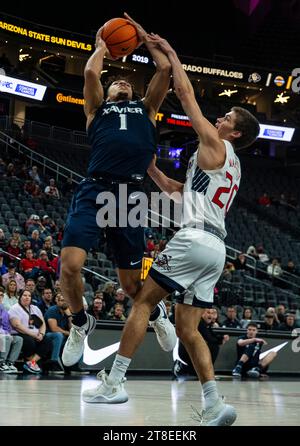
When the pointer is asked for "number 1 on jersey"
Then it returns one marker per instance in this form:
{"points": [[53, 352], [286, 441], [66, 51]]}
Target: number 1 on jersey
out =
{"points": [[123, 121]]}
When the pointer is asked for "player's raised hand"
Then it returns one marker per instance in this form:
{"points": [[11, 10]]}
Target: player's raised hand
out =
{"points": [[142, 34], [162, 43], [100, 43]]}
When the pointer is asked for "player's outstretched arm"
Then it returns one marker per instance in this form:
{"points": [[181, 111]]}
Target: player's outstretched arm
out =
{"points": [[93, 90], [172, 188], [211, 144], [159, 84]]}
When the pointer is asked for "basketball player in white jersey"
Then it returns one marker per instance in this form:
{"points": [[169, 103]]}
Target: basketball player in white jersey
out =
{"points": [[194, 259]]}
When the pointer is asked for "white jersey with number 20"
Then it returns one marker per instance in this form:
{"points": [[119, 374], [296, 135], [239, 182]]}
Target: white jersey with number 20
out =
{"points": [[208, 194]]}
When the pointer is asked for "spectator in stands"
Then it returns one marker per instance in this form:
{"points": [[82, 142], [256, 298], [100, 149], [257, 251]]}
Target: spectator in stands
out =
{"points": [[117, 313], [227, 271], [2, 167], [60, 234], [58, 319], [99, 295], [29, 266], [240, 262], [212, 339], [48, 247], [34, 223], [10, 345], [247, 317], [274, 270], [37, 191], [3, 241], [251, 251], [29, 187], [86, 285], [291, 268], [16, 234], [10, 171], [57, 287], [28, 322], [289, 323], [3, 268], [121, 298], [97, 310], [22, 173], [215, 318], [30, 142], [33, 173], [280, 313], [68, 187], [36, 241], [271, 310], [13, 275], [248, 350], [24, 246], [30, 286], [170, 309], [263, 257], [49, 225], [264, 200], [41, 284], [46, 267], [150, 246], [32, 189], [10, 295], [56, 263], [51, 190], [109, 295], [46, 301], [231, 321], [13, 249], [269, 322]]}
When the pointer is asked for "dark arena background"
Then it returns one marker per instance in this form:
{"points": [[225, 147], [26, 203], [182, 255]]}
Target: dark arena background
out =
{"points": [[235, 53]]}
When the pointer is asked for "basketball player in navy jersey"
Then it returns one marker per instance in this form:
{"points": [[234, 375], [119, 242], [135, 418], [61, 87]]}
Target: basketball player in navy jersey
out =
{"points": [[193, 260], [122, 134]]}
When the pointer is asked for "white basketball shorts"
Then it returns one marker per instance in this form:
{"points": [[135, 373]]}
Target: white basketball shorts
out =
{"points": [[191, 263]]}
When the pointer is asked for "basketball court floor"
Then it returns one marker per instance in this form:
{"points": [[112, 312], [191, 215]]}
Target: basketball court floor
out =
{"points": [[55, 401]]}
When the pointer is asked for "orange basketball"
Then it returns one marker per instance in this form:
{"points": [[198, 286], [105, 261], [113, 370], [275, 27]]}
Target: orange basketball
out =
{"points": [[120, 37]]}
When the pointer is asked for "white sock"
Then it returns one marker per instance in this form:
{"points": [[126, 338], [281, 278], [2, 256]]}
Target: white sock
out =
{"points": [[210, 392], [119, 369]]}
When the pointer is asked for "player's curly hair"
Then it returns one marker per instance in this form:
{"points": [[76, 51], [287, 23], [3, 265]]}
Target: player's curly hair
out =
{"points": [[118, 77]]}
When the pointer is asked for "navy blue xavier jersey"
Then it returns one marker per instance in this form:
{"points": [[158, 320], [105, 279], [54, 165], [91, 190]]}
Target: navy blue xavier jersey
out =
{"points": [[123, 140]]}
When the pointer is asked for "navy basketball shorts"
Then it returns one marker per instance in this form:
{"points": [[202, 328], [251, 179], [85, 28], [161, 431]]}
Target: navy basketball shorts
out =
{"points": [[82, 230]]}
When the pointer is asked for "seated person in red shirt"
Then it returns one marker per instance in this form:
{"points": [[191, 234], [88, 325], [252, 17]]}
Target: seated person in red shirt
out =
{"points": [[29, 265], [264, 200]]}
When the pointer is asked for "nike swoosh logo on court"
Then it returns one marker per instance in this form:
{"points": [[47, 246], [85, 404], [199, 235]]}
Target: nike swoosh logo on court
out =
{"points": [[92, 357], [135, 263], [132, 197], [273, 349]]}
